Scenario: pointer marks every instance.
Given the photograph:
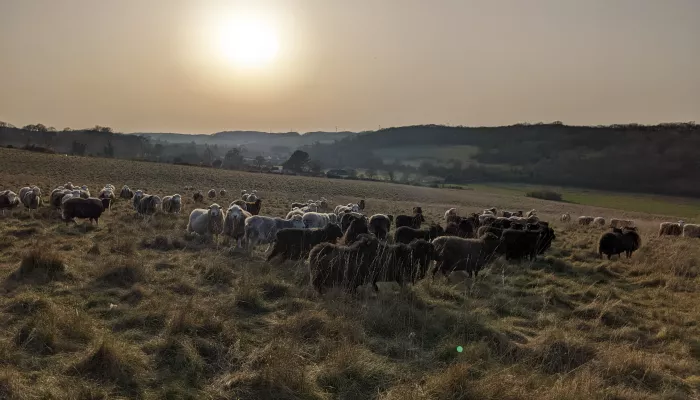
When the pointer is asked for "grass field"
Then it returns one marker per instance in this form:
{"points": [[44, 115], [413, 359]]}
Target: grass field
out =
{"points": [[643, 203], [134, 309]]}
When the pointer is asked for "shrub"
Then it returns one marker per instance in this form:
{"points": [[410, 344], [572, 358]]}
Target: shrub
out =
{"points": [[545, 195]]}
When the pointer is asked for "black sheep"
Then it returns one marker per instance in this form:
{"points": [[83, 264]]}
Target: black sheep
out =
{"points": [[407, 234], [464, 228], [379, 225], [347, 218], [345, 266], [76, 207], [295, 243], [413, 221], [357, 227], [617, 242]]}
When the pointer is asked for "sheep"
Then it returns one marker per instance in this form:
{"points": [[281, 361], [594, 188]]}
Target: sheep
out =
{"points": [[295, 243], [357, 227], [585, 220], [254, 206], [531, 213], [516, 244], [263, 230], [464, 228], [407, 234], [413, 221], [316, 220], [502, 222], [691, 230], [600, 221], [454, 253], [77, 207], [8, 201], [207, 222], [380, 225], [56, 197], [341, 265], [30, 197], [618, 241], [107, 193], [198, 197], [126, 193], [566, 217], [222, 192], [211, 193], [493, 211], [487, 219], [621, 223], [671, 228], [84, 192], [294, 212], [298, 205], [240, 203], [451, 213], [172, 204], [138, 195], [148, 205], [397, 262], [361, 205], [234, 223], [252, 197], [68, 186]]}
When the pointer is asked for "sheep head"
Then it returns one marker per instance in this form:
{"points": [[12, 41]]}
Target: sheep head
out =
{"points": [[214, 210]]}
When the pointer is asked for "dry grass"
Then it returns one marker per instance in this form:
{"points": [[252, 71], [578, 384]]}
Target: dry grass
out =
{"points": [[134, 309]]}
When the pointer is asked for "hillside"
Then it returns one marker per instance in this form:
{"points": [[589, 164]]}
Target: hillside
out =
{"points": [[653, 159], [137, 309]]}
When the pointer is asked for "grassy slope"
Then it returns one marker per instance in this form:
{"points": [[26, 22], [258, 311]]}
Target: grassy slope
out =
{"points": [[128, 320]]}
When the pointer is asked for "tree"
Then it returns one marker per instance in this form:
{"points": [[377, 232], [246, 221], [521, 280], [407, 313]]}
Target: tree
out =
{"points": [[6, 125], [109, 149], [371, 173], [297, 162], [158, 149], [30, 127], [103, 129], [259, 161], [392, 174], [217, 163], [41, 128], [315, 167], [233, 159], [208, 155], [51, 129], [78, 148], [67, 129]]}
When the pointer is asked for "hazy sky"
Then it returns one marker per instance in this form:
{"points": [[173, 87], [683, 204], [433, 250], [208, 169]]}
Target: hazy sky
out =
{"points": [[158, 65]]}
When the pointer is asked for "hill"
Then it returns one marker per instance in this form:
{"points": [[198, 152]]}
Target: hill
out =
{"points": [[652, 159], [138, 309]]}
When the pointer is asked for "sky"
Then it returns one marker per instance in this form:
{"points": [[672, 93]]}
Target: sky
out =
{"points": [[166, 65]]}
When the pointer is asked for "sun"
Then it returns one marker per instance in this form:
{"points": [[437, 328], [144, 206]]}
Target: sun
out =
{"points": [[248, 42]]}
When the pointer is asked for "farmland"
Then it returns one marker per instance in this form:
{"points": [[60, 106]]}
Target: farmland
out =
{"points": [[137, 309]]}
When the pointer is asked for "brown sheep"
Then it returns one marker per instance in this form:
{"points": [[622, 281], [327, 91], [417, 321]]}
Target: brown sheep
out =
{"points": [[253, 207], [340, 265], [454, 253]]}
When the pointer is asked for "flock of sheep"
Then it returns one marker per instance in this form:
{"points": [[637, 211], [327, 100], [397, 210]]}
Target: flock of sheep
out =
{"points": [[345, 247], [679, 228]]}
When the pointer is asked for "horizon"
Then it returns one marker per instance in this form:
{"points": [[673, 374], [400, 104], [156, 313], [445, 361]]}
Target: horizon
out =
{"points": [[300, 66]]}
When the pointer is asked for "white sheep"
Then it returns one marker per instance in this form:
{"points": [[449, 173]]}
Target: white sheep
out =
{"points": [[296, 211], [148, 205], [126, 193], [137, 199], [531, 213], [8, 201], [585, 220], [234, 223], [621, 223], [30, 197], [566, 217], [452, 212], [691, 230], [600, 221], [68, 186], [207, 222], [318, 220], [172, 204], [262, 230]]}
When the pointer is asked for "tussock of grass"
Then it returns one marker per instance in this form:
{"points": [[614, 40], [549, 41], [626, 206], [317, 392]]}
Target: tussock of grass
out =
{"points": [[353, 372], [53, 329], [218, 273], [114, 362], [555, 353], [122, 272], [40, 266]]}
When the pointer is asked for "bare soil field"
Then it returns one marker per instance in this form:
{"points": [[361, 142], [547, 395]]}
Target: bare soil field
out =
{"points": [[137, 309]]}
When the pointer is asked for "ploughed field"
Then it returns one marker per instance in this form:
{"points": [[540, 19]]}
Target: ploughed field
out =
{"points": [[137, 309]]}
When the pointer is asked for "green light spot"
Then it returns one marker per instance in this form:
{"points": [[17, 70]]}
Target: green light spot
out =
{"points": [[459, 349]]}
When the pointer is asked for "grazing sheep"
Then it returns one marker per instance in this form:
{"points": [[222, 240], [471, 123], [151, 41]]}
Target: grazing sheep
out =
{"points": [[585, 220], [464, 228], [517, 244], [30, 197], [414, 221], [398, 262], [566, 217], [234, 224], [8, 201], [493, 211], [138, 195], [263, 230], [618, 241], [295, 243], [347, 219], [487, 219], [211, 193], [340, 265], [621, 223], [69, 186], [172, 204], [406, 234], [56, 197], [361, 205], [691, 230], [317, 220], [450, 215], [222, 192], [380, 225], [531, 213], [600, 221], [294, 212], [253, 207], [198, 197], [671, 228], [126, 193], [298, 205], [454, 253], [207, 222], [77, 207], [357, 227], [502, 222], [252, 197], [148, 205]]}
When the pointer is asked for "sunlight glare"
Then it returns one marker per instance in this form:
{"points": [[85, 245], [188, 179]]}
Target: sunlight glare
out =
{"points": [[248, 42]]}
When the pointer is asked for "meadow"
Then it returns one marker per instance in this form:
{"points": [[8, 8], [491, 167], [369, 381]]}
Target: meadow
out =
{"points": [[137, 309]]}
